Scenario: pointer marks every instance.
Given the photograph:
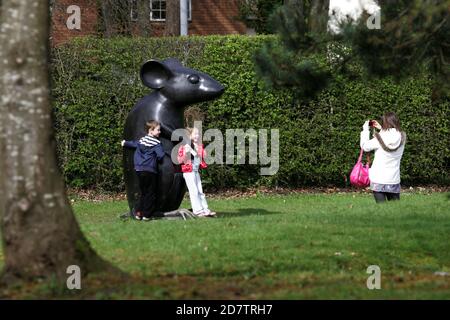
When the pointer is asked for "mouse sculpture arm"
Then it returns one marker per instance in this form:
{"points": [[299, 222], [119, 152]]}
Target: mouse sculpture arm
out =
{"points": [[167, 130]]}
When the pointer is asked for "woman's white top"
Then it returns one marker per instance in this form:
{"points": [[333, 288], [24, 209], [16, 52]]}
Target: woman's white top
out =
{"points": [[386, 165]]}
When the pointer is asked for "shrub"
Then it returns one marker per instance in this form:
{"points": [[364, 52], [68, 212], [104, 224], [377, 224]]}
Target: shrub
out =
{"points": [[96, 82]]}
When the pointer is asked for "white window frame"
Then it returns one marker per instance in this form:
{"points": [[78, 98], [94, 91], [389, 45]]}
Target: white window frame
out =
{"points": [[190, 10], [159, 10], [161, 20]]}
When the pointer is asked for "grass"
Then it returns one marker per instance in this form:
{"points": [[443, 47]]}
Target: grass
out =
{"points": [[300, 246]]}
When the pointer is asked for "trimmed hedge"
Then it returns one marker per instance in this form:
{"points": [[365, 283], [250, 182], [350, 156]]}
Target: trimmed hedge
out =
{"points": [[96, 82]]}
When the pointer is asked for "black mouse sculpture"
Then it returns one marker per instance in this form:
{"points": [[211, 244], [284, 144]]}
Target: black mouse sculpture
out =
{"points": [[175, 87]]}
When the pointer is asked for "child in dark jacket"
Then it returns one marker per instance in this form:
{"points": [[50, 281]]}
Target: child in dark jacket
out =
{"points": [[148, 152]]}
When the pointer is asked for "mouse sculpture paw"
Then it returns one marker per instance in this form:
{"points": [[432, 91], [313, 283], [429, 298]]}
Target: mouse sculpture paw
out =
{"points": [[179, 214]]}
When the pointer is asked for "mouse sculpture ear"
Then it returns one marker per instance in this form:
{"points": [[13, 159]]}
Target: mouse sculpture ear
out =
{"points": [[155, 74]]}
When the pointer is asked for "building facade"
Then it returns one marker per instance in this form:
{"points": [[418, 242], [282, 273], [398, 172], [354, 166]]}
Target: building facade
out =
{"points": [[74, 18]]}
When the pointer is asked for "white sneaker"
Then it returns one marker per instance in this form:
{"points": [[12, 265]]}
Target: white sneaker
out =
{"points": [[210, 213], [138, 215], [202, 214]]}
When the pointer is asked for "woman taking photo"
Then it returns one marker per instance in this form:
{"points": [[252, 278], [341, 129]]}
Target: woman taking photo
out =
{"points": [[388, 144]]}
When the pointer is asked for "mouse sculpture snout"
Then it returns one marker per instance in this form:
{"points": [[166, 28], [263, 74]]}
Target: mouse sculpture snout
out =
{"points": [[210, 88]]}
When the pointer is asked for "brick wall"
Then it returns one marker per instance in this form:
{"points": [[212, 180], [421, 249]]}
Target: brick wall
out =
{"points": [[215, 17], [208, 17], [59, 31]]}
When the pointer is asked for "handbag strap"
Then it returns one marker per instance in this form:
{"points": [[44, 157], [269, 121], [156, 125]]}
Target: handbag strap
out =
{"points": [[367, 157], [383, 145], [360, 155]]}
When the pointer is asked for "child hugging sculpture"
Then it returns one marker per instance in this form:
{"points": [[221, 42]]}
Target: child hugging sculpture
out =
{"points": [[146, 157]]}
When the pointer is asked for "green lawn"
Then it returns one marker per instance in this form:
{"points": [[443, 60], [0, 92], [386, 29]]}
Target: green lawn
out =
{"points": [[301, 246]]}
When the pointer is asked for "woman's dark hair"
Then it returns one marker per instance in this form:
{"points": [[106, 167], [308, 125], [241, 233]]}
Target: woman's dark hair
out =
{"points": [[390, 120]]}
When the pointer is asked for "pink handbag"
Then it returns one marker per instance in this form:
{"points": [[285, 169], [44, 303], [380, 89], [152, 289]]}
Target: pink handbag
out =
{"points": [[359, 177]]}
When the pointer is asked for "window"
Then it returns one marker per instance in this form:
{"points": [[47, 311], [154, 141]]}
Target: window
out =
{"points": [[189, 10], [158, 10]]}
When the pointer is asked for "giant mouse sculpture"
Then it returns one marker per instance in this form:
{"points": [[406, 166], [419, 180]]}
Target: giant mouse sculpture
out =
{"points": [[175, 87]]}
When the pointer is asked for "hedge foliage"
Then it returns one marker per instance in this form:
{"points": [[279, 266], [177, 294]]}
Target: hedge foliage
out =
{"points": [[96, 82]]}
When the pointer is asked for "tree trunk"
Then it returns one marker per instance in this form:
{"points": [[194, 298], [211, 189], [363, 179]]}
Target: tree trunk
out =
{"points": [[143, 23], [108, 19], [319, 15], [41, 236], [115, 17], [172, 18]]}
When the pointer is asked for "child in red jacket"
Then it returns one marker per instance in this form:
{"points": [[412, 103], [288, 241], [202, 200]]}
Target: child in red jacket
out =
{"points": [[192, 159]]}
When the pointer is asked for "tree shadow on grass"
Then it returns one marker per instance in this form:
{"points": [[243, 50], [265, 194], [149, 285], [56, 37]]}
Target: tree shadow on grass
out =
{"points": [[246, 212]]}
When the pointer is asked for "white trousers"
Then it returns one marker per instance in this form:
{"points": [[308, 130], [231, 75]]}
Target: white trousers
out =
{"points": [[198, 199]]}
